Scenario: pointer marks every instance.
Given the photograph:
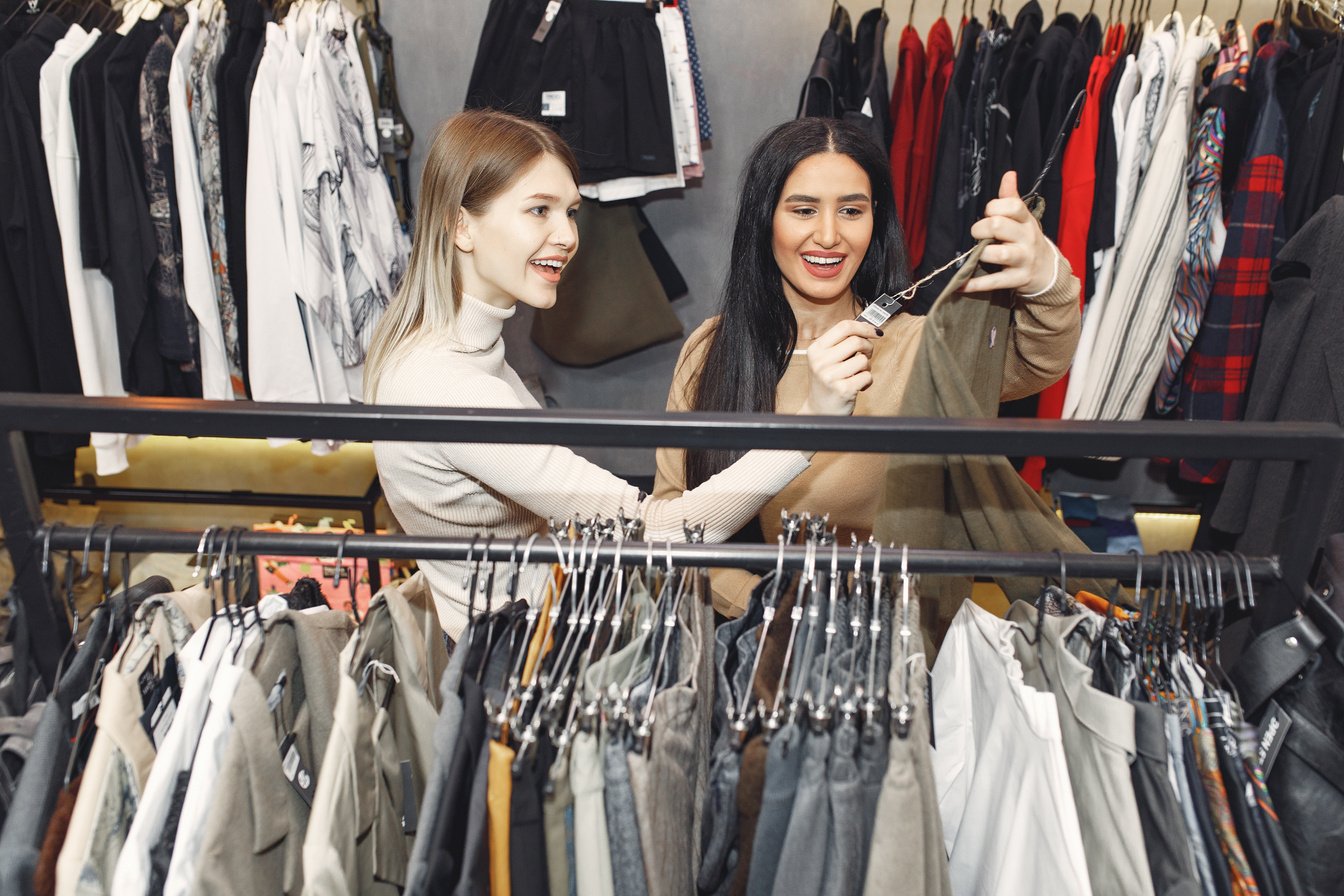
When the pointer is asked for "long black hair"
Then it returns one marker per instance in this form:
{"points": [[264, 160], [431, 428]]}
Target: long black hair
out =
{"points": [[749, 349]]}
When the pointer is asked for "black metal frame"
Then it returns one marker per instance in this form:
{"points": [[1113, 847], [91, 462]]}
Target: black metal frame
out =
{"points": [[1317, 450]]}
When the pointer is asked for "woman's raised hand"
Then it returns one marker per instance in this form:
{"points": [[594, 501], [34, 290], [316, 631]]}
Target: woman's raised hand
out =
{"points": [[839, 362], [1027, 259]]}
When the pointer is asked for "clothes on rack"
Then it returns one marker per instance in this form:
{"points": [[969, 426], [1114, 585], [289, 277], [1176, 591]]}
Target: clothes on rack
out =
{"points": [[131, 155], [596, 733], [1197, 160]]}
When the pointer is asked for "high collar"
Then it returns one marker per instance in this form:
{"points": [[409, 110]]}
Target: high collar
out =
{"points": [[479, 326]]}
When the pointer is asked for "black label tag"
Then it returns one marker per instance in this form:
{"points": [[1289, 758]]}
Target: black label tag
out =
{"points": [[409, 815], [1273, 731], [547, 20], [296, 771], [160, 695], [928, 702]]}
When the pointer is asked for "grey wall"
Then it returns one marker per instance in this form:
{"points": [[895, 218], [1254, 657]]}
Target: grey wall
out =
{"points": [[755, 55]]}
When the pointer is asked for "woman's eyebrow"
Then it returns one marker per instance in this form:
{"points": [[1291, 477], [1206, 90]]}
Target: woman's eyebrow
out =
{"points": [[852, 197], [545, 197]]}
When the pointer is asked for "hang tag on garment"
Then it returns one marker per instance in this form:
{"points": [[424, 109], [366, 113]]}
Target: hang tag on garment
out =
{"points": [[161, 703], [553, 104], [409, 817], [296, 771], [158, 717], [880, 310], [547, 20], [386, 132], [867, 106], [1273, 732]]}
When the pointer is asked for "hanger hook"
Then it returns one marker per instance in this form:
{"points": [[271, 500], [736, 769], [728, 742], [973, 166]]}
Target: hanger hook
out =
{"points": [[88, 547], [340, 559], [668, 549], [200, 549], [46, 547], [905, 561], [107, 560]]}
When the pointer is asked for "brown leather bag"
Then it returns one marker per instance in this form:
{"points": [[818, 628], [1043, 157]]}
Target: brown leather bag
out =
{"points": [[610, 300]]}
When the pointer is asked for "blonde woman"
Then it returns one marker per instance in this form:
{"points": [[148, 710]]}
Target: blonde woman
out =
{"points": [[496, 228]]}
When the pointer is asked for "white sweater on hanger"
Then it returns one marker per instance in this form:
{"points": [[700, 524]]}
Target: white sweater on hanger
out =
{"points": [[509, 491]]}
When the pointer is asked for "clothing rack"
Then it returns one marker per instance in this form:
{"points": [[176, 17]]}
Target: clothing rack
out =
{"points": [[1316, 449]]}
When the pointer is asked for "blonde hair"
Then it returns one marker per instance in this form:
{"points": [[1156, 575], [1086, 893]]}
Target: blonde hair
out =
{"points": [[476, 155]]}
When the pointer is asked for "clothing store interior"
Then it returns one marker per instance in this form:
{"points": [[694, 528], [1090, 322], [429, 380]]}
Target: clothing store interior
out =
{"points": [[365, 536]]}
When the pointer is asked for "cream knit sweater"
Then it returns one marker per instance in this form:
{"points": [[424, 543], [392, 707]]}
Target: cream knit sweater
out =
{"points": [[456, 490]]}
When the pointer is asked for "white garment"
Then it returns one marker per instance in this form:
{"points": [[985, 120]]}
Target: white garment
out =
{"points": [[201, 660], [92, 307], [1127, 357], [592, 847], [457, 490], [278, 360], [197, 279], [355, 250], [333, 384], [205, 769], [1127, 91], [1009, 820]]}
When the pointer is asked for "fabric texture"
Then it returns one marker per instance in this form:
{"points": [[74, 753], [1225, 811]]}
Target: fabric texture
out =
{"points": [[1024, 845], [977, 503]]}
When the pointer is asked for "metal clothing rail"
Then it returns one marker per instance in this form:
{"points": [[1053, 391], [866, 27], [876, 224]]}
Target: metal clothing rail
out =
{"points": [[366, 505], [1316, 449], [1125, 567]]}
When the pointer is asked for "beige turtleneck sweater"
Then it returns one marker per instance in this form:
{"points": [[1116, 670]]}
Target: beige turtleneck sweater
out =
{"points": [[456, 490], [848, 486]]}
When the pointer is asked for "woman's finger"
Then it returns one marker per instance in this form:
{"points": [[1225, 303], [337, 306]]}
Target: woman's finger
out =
{"points": [[1010, 278], [1008, 208]]}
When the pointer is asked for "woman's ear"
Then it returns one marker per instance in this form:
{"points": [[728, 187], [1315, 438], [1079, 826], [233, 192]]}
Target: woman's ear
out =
{"points": [[462, 232]]}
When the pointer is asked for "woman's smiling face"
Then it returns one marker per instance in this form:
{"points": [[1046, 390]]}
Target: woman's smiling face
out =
{"points": [[518, 248], [822, 226]]}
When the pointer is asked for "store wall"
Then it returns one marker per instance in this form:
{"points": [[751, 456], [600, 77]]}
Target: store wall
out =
{"points": [[755, 55]]}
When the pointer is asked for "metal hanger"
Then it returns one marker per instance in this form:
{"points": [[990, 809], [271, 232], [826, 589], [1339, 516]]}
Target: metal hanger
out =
{"points": [[871, 704], [774, 721], [352, 577], [748, 707], [905, 712], [821, 713]]}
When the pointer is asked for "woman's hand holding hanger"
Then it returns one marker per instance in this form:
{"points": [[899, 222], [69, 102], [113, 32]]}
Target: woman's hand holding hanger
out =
{"points": [[1028, 262]]}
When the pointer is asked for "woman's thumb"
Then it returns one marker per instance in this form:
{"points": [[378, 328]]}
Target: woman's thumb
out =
{"points": [[1008, 186]]}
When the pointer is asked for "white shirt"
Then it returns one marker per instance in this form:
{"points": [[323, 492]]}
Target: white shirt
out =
{"points": [[1104, 259], [92, 308], [279, 368], [205, 768], [1009, 821], [176, 754], [197, 280]]}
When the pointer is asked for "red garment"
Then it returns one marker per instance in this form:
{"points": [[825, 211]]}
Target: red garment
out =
{"points": [[939, 58], [905, 96], [1079, 173]]}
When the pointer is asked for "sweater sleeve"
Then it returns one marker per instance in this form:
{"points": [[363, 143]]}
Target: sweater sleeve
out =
{"points": [[1044, 335], [731, 587], [554, 482]]}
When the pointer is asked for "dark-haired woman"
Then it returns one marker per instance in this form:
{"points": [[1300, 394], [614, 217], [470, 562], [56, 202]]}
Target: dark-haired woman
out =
{"points": [[817, 239]]}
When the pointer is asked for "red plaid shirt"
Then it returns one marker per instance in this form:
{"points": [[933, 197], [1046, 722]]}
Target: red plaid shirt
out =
{"points": [[1217, 370]]}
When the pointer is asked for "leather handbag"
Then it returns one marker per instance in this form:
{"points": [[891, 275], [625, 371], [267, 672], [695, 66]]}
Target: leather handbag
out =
{"points": [[1290, 680], [611, 301]]}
